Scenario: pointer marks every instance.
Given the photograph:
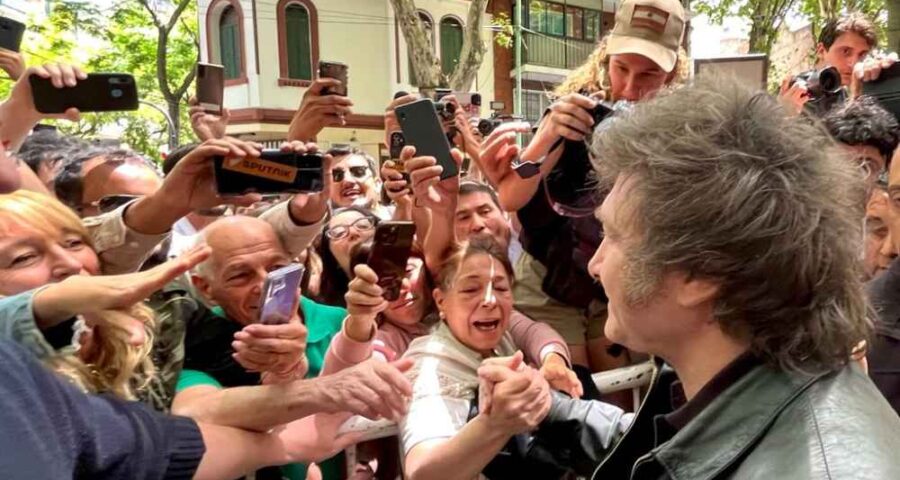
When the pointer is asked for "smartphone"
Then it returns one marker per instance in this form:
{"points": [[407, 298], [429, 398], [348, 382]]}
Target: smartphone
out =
{"points": [[279, 295], [99, 92], [390, 252], [273, 172], [210, 87], [422, 129], [11, 33], [337, 71]]}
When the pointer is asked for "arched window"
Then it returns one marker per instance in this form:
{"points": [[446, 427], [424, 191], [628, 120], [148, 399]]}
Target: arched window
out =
{"points": [[429, 34], [230, 42], [451, 44], [298, 42]]}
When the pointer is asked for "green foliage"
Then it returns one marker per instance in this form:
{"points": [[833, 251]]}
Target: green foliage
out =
{"points": [[120, 38], [504, 32]]}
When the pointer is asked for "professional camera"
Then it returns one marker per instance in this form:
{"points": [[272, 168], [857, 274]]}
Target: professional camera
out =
{"points": [[486, 126], [824, 88]]}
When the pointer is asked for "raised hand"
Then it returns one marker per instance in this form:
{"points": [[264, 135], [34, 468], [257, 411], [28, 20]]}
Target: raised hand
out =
{"points": [[12, 63], [207, 126], [311, 207], [318, 111], [561, 377], [499, 150], [428, 188], [279, 350]]}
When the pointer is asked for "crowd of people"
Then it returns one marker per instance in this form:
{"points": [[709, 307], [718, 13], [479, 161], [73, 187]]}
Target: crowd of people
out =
{"points": [[738, 244]]}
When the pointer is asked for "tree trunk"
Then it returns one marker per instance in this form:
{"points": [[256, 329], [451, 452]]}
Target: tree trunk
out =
{"points": [[893, 25], [173, 98], [426, 68], [473, 49]]}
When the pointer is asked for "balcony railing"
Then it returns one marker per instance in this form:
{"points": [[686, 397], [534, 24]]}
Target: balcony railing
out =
{"points": [[555, 52]]}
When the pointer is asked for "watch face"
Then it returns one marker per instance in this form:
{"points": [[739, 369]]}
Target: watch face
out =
{"points": [[526, 169]]}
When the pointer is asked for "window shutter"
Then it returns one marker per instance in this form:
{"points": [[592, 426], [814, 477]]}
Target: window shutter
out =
{"points": [[299, 50], [451, 44]]}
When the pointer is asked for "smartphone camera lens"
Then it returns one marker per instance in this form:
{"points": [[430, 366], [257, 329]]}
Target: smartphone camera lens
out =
{"points": [[116, 93]]}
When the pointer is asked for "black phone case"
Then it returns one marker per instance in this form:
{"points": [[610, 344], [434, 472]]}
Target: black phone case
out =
{"points": [[99, 92], [11, 33], [422, 129], [389, 255], [886, 90], [270, 176]]}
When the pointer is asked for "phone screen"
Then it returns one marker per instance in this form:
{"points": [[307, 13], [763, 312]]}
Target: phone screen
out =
{"points": [[279, 295], [337, 71], [210, 87]]}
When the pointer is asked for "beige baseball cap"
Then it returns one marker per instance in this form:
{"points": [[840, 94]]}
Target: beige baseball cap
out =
{"points": [[652, 28]]}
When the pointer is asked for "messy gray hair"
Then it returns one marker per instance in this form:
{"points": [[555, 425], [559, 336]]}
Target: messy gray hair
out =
{"points": [[725, 186]]}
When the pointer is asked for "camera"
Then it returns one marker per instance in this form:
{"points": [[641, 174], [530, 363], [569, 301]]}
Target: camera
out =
{"points": [[604, 111], [820, 83], [824, 88], [445, 110], [486, 126]]}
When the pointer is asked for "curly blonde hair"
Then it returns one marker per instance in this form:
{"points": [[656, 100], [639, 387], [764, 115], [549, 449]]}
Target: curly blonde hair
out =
{"points": [[593, 75], [112, 365]]}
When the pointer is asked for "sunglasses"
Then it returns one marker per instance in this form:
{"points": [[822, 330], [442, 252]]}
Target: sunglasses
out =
{"points": [[359, 173], [109, 203], [338, 232]]}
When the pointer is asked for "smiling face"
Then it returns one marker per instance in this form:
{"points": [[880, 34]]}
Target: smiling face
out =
{"points": [[478, 303], [410, 307], [244, 251], [355, 183], [645, 313], [31, 258], [346, 230]]}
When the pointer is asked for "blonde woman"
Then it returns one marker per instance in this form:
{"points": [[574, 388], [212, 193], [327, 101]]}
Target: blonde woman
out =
{"points": [[100, 345]]}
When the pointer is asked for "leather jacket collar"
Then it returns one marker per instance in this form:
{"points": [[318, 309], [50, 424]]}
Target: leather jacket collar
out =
{"points": [[729, 426]]}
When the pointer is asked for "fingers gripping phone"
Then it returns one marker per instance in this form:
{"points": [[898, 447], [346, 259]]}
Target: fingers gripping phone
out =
{"points": [[279, 295], [99, 92], [337, 71], [389, 255], [11, 33], [422, 129], [273, 172], [210, 87]]}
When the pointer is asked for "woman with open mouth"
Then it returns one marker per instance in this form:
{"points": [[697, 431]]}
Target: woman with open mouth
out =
{"points": [[469, 317]]}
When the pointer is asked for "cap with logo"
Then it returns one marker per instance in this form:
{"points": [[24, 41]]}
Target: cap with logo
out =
{"points": [[652, 28]]}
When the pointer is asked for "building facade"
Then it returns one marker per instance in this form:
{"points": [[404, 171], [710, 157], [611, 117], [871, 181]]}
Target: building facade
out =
{"points": [[271, 48]]}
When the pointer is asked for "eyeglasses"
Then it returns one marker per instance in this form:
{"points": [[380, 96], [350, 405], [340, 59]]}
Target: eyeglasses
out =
{"points": [[109, 203], [359, 173], [364, 224]]}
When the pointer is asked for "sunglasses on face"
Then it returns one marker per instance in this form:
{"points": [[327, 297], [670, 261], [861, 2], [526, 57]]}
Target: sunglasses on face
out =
{"points": [[359, 173], [109, 202], [338, 232]]}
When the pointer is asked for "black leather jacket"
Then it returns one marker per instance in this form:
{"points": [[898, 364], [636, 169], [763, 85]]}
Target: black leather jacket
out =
{"points": [[768, 424]]}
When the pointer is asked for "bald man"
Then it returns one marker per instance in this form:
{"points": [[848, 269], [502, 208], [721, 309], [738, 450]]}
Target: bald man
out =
{"points": [[225, 347]]}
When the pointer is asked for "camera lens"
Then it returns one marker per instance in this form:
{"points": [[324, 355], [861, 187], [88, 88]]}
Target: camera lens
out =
{"points": [[116, 93]]}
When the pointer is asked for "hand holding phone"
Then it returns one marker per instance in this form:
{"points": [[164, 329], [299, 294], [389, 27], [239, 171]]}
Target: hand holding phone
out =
{"points": [[390, 252], [337, 71], [280, 294], [422, 129], [274, 171], [96, 92], [210, 87], [11, 33]]}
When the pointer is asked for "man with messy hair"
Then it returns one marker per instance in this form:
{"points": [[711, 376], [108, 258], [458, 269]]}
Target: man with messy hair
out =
{"points": [[731, 254]]}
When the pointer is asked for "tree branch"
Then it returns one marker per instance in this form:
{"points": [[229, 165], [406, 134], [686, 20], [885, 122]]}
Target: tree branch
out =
{"points": [[149, 9], [473, 48], [176, 15]]}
